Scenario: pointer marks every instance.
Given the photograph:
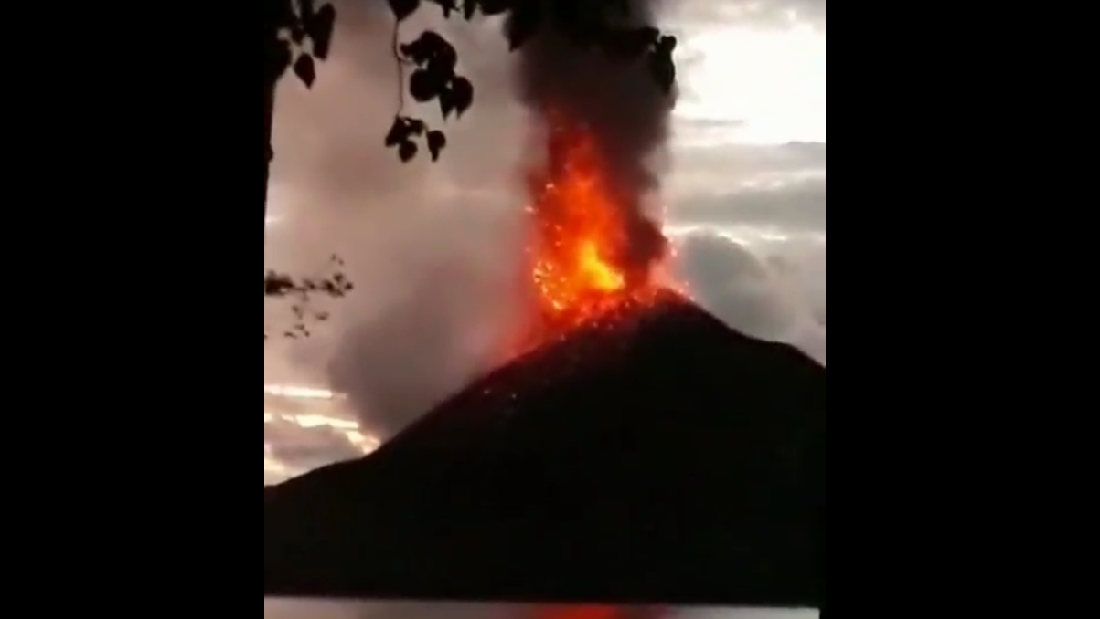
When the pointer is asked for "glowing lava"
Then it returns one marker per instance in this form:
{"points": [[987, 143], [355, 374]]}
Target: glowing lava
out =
{"points": [[584, 259], [580, 612]]}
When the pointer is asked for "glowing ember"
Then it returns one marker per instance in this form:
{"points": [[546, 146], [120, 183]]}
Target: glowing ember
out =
{"points": [[580, 612], [582, 263]]}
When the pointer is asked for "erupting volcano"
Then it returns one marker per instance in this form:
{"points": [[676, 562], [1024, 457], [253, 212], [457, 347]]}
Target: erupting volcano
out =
{"points": [[594, 252], [680, 463]]}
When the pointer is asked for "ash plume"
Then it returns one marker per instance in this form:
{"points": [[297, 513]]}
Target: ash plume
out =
{"points": [[616, 100]]}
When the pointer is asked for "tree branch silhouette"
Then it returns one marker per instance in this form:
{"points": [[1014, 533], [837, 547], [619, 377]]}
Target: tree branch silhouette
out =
{"points": [[303, 293]]}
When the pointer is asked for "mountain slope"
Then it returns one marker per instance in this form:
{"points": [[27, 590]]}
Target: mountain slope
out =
{"points": [[668, 460]]}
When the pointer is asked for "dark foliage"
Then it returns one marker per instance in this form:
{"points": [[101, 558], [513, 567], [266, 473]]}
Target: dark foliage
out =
{"points": [[432, 59], [297, 34], [300, 33], [670, 461], [303, 294]]}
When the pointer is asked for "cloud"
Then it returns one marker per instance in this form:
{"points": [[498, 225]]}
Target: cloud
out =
{"points": [[797, 205], [739, 287], [712, 161], [764, 12]]}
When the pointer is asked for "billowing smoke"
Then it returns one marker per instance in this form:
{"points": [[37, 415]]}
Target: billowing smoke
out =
{"points": [[431, 247], [620, 103]]}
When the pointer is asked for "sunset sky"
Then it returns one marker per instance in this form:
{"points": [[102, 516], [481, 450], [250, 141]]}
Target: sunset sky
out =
{"points": [[429, 246]]}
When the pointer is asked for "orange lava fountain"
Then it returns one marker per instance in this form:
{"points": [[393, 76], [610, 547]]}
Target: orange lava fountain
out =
{"points": [[580, 257]]}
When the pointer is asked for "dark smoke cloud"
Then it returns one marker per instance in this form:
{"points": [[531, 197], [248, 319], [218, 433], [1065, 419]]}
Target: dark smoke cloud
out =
{"points": [[621, 105]]}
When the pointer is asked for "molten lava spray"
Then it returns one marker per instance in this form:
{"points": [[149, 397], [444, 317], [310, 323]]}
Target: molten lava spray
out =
{"points": [[595, 247]]}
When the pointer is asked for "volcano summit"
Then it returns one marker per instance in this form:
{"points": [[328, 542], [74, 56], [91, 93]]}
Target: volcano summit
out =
{"points": [[663, 459]]}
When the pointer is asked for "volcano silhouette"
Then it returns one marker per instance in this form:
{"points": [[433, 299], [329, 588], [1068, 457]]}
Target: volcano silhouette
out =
{"points": [[667, 460]]}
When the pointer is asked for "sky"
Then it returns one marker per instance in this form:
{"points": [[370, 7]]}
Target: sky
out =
{"points": [[432, 247]]}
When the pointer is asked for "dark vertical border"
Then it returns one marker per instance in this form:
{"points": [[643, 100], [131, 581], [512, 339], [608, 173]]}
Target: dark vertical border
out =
{"points": [[821, 567], [271, 78], [821, 509]]}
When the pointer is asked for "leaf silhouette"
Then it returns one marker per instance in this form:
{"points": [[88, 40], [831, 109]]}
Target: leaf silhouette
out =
{"points": [[305, 69], [401, 9], [415, 126], [436, 142], [424, 85], [407, 150], [430, 50], [444, 55], [446, 103], [398, 133], [462, 94], [418, 51], [320, 27], [297, 34]]}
